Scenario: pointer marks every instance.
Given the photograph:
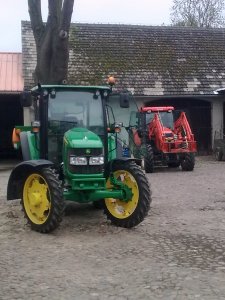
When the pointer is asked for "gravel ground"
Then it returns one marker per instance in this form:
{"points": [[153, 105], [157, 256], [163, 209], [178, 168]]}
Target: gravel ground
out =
{"points": [[178, 252]]}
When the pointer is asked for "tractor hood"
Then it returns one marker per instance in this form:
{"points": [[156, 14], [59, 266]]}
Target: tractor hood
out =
{"points": [[82, 138]]}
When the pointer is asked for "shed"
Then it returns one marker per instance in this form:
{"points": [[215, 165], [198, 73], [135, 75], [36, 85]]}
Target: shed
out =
{"points": [[11, 112], [160, 65]]}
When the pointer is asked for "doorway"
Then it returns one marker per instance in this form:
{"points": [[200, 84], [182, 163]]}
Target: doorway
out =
{"points": [[11, 114]]}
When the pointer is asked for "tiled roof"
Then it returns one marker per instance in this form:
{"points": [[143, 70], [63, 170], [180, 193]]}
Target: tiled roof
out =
{"points": [[148, 60], [11, 80]]}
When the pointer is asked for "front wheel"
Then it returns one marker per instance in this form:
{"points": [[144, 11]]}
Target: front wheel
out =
{"points": [[42, 200], [129, 213], [188, 162]]}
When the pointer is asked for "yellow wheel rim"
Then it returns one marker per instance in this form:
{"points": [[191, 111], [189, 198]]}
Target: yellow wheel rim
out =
{"points": [[121, 209], [36, 199]]}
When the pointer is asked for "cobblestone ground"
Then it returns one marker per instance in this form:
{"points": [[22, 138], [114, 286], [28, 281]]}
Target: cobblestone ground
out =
{"points": [[178, 252]]}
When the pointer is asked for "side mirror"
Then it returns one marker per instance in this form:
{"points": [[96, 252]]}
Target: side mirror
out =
{"points": [[26, 99], [125, 98]]}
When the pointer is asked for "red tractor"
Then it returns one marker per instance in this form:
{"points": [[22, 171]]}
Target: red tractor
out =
{"points": [[163, 137]]}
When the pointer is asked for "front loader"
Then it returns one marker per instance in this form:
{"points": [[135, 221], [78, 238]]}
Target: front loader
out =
{"points": [[162, 136], [70, 153]]}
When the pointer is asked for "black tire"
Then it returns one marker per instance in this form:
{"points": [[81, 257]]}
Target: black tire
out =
{"points": [[149, 159], [188, 162], [48, 189], [137, 152], [218, 154], [143, 197], [25, 146]]}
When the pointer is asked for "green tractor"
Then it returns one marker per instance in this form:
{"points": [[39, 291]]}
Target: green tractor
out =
{"points": [[70, 153]]}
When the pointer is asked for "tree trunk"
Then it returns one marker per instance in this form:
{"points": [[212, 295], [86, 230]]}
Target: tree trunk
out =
{"points": [[52, 40]]}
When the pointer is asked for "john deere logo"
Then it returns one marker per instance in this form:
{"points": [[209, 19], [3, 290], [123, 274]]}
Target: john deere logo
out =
{"points": [[88, 151]]}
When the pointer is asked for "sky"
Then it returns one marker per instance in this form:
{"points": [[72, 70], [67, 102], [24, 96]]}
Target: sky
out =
{"points": [[138, 12]]}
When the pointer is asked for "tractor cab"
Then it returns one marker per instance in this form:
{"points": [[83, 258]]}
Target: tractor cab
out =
{"points": [[79, 111], [70, 152], [163, 114]]}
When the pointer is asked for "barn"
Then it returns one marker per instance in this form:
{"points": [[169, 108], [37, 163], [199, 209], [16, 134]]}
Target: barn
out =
{"points": [[11, 113], [160, 65]]}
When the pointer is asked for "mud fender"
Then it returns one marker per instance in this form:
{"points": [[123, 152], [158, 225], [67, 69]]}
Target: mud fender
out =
{"points": [[19, 173]]}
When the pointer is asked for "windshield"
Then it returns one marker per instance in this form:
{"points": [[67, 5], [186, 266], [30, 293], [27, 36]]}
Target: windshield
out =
{"points": [[166, 119], [76, 109], [149, 117], [72, 109]]}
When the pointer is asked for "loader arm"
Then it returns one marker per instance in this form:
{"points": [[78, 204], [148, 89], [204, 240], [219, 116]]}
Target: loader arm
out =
{"points": [[156, 131], [181, 126]]}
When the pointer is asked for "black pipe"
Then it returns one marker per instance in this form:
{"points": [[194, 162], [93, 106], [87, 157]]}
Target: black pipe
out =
{"points": [[43, 114]]}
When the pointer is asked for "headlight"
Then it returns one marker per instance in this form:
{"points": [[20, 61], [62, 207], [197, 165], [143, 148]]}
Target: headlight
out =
{"points": [[98, 160], [78, 161]]}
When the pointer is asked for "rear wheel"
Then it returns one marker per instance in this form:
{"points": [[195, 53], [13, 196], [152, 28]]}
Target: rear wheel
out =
{"points": [[188, 162], [149, 159], [137, 152], [25, 146], [218, 155], [42, 200], [129, 213]]}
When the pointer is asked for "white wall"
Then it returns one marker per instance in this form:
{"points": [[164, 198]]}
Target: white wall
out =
{"points": [[217, 118], [27, 116]]}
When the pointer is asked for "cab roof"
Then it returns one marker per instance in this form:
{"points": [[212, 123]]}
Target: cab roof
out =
{"points": [[71, 87], [156, 108]]}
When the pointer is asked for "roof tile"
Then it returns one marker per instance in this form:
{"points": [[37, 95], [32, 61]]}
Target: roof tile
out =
{"points": [[147, 59]]}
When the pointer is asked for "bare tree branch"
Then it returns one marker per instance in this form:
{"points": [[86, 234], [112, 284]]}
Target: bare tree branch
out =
{"points": [[67, 11], [198, 13], [52, 39], [34, 7], [54, 12]]}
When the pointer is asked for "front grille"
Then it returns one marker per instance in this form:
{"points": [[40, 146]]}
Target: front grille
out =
{"points": [[85, 169], [83, 151]]}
